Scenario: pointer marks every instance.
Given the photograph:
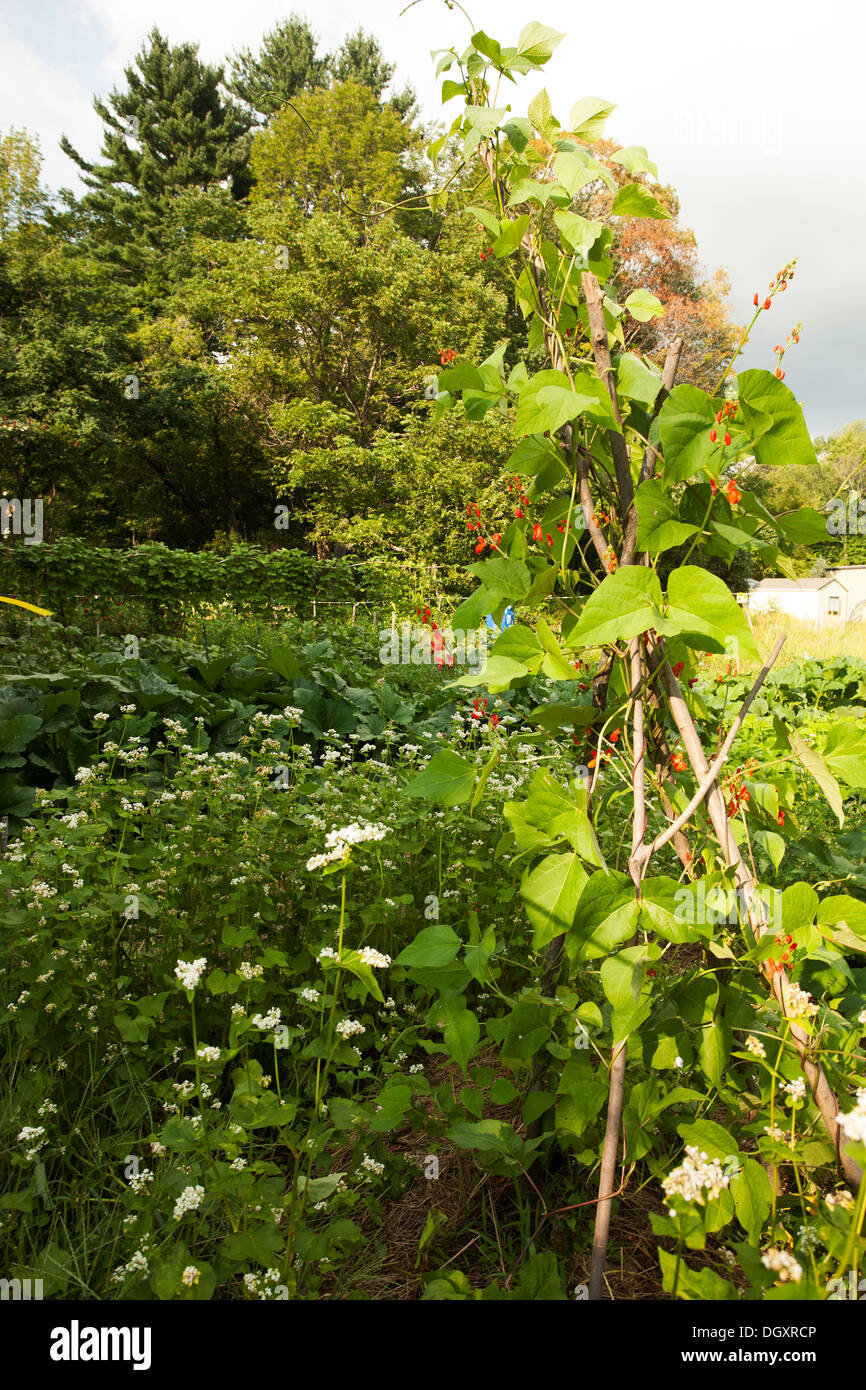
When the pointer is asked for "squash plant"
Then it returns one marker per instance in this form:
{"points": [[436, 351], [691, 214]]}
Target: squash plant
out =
{"points": [[623, 477]]}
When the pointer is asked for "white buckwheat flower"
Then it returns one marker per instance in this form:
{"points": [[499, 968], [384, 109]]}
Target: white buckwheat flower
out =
{"points": [[755, 1046], [853, 1123], [349, 1027], [374, 958], [798, 1003], [190, 972], [189, 1200], [697, 1179], [796, 1090], [267, 1021], [782, 1264]]}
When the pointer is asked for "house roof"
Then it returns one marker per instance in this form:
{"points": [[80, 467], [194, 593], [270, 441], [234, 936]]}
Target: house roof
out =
{"points": [[797, 584]]}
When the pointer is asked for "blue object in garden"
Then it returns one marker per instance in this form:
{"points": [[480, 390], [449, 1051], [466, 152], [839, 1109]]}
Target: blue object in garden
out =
{"points": [[508, 620]]}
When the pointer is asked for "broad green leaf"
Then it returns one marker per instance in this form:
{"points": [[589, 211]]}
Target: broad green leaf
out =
{"points": [[701, 1286], [636, 201], [463, 376], [462, 1030], [487, 219], [550, 895], [787, 441], [817, 768], [538, 41], [840, 911], [659, 526], [671, 910], [636, 160], [750, 1189], [548, 402], [518, 131], [532, 454], [701, 602], [489, 47], [804, 526], [502, 578], [578, 235], [527, 189], [447, 778], [685, 421], [519, 643], [478, 953], [715, 1050], [573, 172], [636, 381], [540, 113], [17, 731], [433, 947], [709, 1137], [626, 603], [844, 752], [554, 664], [512, 235], [488, 1136], [799, 907], [498, 673], [588, 117], [644, 306], [606, 916]]}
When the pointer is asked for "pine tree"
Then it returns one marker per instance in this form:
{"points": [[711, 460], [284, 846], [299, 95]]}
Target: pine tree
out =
{"points": [[360, 59], [286, 64], [172, 130]]}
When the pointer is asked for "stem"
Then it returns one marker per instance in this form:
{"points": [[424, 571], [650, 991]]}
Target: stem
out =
{"points": [[617, 1066]]}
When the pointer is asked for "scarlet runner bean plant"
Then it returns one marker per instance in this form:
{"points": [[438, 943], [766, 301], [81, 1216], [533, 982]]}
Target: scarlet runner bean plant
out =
{"points": [[625, 476]]}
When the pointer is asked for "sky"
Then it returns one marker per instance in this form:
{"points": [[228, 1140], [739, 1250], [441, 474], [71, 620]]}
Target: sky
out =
{"points": [[752, 110]]}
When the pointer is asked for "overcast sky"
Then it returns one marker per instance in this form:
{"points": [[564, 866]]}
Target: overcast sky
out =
{"points": [[754, 111]]}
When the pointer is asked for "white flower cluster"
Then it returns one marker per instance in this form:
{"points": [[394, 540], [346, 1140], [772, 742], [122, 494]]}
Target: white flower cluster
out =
{"points": [[349, 1027], [250, 972], [190, 1276], [339, 842], [138, 1182], [137, 1265], [34, 1136], [190, 972], [189, 1200], [796, 1090], [799, 1004], [374, 958], [755, 1046], [853, 1123], [265, 1285], [310, 996], [370, 1165], [842, 1198], [208, 1054], [267, 1021], [782, 1264], [697, 1179]]}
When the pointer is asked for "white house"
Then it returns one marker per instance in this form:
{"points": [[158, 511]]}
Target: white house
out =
{"points": [[821, 602], [854, 579]]}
